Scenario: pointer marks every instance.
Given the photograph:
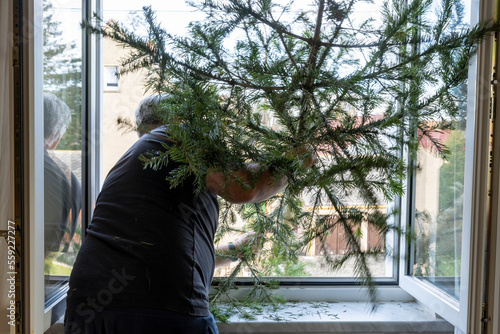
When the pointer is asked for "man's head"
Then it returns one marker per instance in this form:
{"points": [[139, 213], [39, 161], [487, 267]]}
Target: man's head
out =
{"points": [[56, 118], [146, 115]]}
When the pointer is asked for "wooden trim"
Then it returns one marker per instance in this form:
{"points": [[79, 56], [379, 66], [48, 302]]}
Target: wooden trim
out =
{"points": [[491, 306], [18, 143], [32, 167], [479, 196]]}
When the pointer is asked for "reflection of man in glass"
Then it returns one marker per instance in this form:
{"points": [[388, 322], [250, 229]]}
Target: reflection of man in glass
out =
{"points": [[62, 188]]}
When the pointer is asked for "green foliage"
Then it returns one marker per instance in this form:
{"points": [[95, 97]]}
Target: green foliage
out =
{"points": [[451, 174], [54, 266], [449, 220], [353, 92], [283, 266], [62, 75]]}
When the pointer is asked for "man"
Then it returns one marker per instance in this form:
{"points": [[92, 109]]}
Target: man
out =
{"points": [[62, 190], [147, 263]]}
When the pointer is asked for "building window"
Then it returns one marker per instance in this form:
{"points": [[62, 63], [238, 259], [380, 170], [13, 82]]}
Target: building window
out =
{"points": [[111, 77]]}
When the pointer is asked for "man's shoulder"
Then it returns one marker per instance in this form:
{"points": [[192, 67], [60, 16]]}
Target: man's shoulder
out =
{"points": [[157, 135]]}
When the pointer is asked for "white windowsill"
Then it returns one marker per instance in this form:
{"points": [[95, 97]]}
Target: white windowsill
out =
{"points": [[340, 317], [323, 317], [335, 310]]}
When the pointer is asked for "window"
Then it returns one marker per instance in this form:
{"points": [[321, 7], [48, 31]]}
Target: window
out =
{"points": [[62, 148], [434, 208], [438, 270], [121, 104], [438, 202], [439, 207], [111, 77]]}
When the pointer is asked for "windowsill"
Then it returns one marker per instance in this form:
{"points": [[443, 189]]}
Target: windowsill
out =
{"points": [[341, 317], [335, 309]]}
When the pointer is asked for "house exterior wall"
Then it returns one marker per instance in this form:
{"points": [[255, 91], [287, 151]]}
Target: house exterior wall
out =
{"points": [[120, 102], [427, 185]]}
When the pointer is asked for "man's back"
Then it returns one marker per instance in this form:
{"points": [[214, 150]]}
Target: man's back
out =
{"points": [[148, 245]]}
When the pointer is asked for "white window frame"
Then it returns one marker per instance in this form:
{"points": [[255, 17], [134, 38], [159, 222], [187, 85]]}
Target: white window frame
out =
{"points": [[35, 267], [456, 311], [39, 318]]}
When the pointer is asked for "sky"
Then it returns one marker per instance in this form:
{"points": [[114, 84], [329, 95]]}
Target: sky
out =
{"points": [[174, 14]]}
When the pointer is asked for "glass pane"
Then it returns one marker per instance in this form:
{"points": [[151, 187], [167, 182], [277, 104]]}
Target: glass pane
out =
{"points": [[439, 212], [311, 262], [439, 189], [62, 139], [121, 104]]}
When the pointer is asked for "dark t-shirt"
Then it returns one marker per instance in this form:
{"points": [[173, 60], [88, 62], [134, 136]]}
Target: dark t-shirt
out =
{"points": [[62, 202], [148, 245]]}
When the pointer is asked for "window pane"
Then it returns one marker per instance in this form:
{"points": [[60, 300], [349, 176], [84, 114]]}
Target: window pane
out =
{"points": [[311, 262], [438, 217], [439, 189], [62, 139], [121, 104]]}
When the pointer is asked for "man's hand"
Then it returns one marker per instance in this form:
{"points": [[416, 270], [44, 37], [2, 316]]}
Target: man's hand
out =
{"points": [[248, 241]]}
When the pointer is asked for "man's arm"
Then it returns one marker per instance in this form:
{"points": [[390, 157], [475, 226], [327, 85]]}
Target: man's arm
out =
{"points": [[224, 255], [237, 186]]}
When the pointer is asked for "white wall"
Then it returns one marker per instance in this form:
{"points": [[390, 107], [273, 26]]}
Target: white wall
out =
{"points": [[121, 102]]}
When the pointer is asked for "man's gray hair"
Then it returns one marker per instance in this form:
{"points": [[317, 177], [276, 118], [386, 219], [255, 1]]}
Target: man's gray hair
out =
{"points": [[146, 115], [56, 116]]}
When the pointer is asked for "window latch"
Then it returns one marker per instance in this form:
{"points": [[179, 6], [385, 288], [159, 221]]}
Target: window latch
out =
{"points": [[15, 56]]}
